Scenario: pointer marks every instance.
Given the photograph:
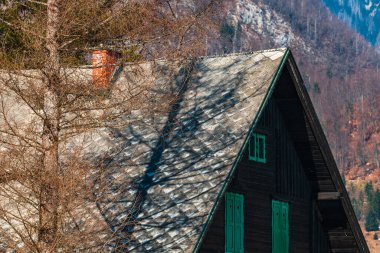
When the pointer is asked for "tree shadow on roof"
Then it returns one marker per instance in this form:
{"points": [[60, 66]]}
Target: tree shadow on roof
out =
{"points": [[161, 182]]}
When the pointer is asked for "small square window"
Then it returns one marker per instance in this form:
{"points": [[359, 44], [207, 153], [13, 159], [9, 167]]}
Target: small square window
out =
{"points": [[257, 148]]}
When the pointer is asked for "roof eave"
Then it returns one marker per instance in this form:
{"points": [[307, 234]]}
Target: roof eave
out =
{"points": [[326, 153]]}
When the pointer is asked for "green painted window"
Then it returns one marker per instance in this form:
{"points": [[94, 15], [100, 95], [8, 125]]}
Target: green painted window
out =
{"points": [[280, 227], [234, 223], [257, 148]]}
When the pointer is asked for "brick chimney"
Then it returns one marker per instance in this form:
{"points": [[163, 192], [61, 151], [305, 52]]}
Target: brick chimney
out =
{"points": [[103, 65]]}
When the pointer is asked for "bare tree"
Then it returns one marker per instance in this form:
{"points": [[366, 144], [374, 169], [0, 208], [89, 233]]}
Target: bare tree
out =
{"points": [[50, 105]]}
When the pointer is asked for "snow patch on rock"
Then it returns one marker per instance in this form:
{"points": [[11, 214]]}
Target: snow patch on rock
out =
{"points": [[368, 5]]}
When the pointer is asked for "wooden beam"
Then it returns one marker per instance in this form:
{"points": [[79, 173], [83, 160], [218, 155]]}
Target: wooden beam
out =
{"points": [[329, 195]]}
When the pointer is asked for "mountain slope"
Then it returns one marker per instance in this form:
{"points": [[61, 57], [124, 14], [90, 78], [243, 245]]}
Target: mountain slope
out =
{"points": [[363, 16]]}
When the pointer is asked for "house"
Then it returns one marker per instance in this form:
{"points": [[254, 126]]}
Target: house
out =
{"points": [[284, 192], [238, 163]]}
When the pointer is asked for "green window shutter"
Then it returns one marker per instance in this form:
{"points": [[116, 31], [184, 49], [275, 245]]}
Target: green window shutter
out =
{"points": [[257, 148], [285, 227], [234, 223], [239, 224], [280, 227], [261, 147], [276, 230], [252, 148], [264, 149], [229, 223]]}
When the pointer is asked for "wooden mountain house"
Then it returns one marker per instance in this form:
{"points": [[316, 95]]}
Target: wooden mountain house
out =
{"points": [[240, 165], [237, 163], [284, 192]]}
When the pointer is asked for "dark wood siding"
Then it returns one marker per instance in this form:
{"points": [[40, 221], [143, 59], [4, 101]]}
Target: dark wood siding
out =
{"points": [[319, 239], [282, 178]]}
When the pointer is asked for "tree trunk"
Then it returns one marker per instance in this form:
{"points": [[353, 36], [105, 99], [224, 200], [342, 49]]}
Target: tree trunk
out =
{"points": [[49, 199]]}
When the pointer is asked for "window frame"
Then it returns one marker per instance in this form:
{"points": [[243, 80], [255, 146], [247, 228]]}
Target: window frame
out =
{"points": [[255, 149]]}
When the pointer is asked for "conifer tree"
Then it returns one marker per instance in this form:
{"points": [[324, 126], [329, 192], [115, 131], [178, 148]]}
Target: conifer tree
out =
{"points": [[368, 189], [376, 204], [371, 223]]}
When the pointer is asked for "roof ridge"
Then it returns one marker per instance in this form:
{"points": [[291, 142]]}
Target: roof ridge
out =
{"points": [[199, 57], [244, 53]]}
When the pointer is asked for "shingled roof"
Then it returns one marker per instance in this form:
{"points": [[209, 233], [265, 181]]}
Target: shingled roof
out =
{"points": [[169, 175]]}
